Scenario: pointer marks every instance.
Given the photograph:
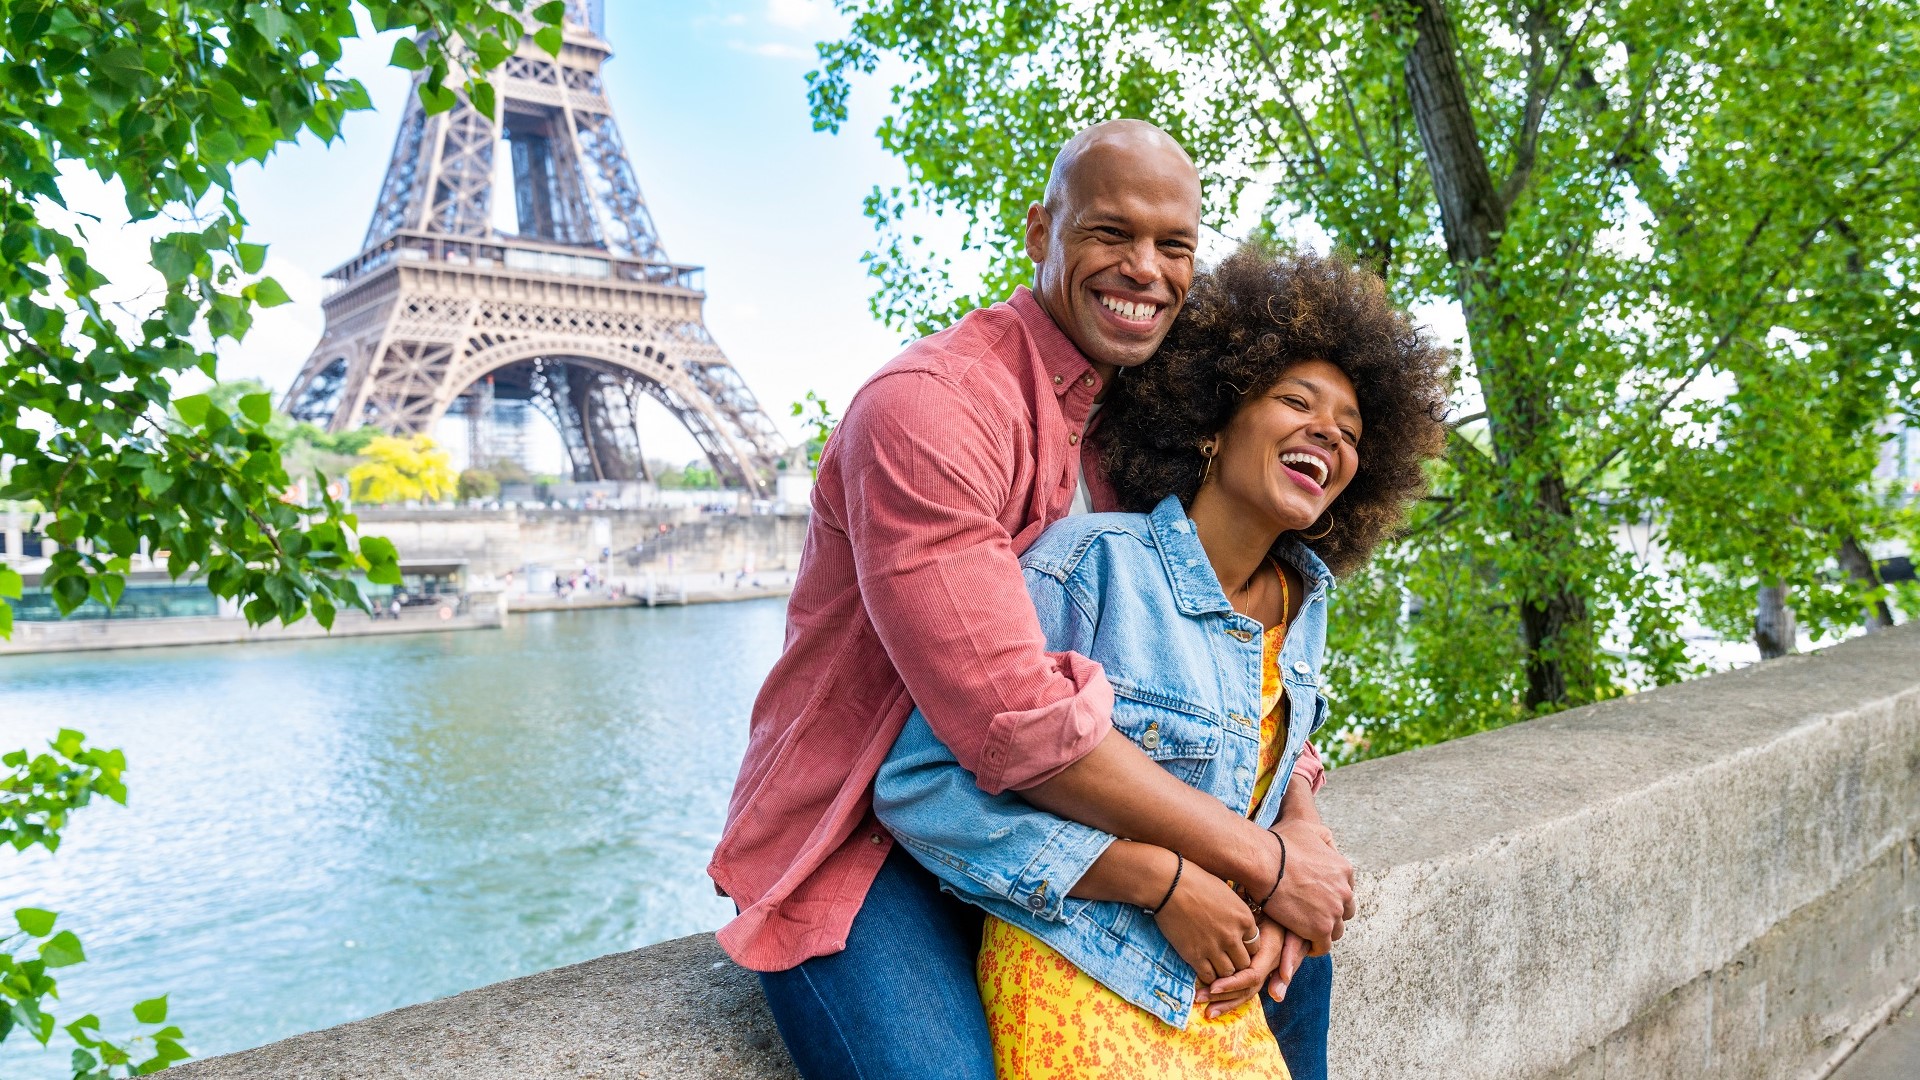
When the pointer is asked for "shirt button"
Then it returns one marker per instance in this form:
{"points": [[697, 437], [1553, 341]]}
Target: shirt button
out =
{"points": [[875, 838], [1074, 438], [1302, 666], [1056, 380], [1088, 379]]}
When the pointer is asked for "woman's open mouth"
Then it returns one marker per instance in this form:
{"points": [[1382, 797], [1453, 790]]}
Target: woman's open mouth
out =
{"points": [[1307, 470]]}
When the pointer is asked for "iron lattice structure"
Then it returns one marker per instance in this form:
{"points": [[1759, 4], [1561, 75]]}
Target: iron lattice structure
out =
{"points": [[576, 314]]}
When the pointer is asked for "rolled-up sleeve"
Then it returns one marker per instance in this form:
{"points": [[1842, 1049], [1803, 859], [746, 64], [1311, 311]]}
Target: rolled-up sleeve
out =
{"points": [[985, 847], [939, 578]]}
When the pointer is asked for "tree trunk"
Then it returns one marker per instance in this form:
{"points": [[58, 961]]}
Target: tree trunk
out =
{"points": [[1553, 614], [1859, 566], [1773, 629]]}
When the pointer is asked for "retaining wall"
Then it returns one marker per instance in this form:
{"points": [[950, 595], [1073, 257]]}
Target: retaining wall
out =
{"points": [[1714, 880], [493, 542]]}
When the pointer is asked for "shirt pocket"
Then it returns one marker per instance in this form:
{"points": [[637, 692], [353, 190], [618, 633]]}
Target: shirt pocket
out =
{"points": [[1184, 743]]}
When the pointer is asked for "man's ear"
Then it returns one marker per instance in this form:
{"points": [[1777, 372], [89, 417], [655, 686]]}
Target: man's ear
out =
{"points": [[1039, 233]]}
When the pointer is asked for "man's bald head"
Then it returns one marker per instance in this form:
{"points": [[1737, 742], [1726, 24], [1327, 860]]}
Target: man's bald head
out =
{"points": [[1113, 240], [1110, 144]]}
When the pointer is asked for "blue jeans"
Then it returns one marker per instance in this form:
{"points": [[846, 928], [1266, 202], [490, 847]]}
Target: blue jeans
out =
{"points": [[900, 1001]]}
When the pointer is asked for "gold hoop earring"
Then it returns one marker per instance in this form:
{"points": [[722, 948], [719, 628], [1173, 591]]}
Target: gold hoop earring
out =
{"points": [[1323, 532], [1206, 451]]}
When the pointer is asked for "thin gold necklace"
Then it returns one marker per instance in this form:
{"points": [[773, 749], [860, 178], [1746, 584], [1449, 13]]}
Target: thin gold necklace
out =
{"points": [[1286, 594]]}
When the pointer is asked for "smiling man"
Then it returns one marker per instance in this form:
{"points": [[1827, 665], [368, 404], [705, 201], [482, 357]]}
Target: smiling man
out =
{"points": [[949, 463]]}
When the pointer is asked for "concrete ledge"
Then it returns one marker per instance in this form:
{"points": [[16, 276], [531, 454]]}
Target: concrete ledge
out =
{"points": [[1718, 879]]}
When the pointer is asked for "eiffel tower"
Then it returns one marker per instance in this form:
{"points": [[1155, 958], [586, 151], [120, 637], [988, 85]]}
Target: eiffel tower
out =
{"points": [[575, 314]]}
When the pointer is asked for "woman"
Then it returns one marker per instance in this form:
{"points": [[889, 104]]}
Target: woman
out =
{"points": [[1274, 440]]}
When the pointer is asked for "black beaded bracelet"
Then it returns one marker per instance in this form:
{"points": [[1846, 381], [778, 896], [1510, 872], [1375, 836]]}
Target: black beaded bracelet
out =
{"points": [[1179, 865], [1262, 905]]}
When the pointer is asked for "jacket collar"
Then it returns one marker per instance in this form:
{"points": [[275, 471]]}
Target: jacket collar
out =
{"points": [[1195, 588]]}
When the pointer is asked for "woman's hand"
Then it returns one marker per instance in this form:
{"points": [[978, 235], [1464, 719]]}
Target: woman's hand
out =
{"points": [[1208, 924], [1276, 956], [1315, 899]]}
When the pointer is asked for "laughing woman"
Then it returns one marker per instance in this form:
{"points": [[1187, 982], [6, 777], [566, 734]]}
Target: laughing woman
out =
{"points": [[1276, 438]]}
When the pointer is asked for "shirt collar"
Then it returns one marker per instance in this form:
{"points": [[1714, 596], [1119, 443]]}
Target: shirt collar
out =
{"points": [[1061, 358], [1196, 591]]}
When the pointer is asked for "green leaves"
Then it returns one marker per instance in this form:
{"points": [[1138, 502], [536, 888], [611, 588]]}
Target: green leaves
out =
{"points": [[407, 55], [550, 39], [383, 565], [193, 409], [151, 1011], [62, 950], [1689, 314], [34, 922]]}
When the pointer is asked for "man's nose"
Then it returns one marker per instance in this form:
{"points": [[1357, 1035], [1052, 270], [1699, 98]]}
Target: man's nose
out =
{"points": [[1143, 265]]}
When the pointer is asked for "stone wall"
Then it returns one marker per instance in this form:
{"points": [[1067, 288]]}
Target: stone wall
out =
{"points": [[1714, 880], [493, 542]]}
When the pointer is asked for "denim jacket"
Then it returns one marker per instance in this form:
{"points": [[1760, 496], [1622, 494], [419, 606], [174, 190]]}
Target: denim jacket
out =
{"points": [[1136, 593]]}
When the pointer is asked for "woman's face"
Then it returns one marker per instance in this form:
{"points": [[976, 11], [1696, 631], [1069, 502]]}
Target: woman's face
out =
{"points": [[1286, 455]]}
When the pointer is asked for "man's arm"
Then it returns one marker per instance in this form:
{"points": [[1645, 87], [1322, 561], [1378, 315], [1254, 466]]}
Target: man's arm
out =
{"points": [[1119, 790], [923, 471]]}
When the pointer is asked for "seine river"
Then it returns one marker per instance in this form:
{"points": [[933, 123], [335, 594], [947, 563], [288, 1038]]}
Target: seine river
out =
{"points": [[321, 831]]}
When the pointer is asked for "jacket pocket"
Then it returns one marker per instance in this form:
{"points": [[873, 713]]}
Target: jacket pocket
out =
{"points": [[1321, 710], [1182, 742]]}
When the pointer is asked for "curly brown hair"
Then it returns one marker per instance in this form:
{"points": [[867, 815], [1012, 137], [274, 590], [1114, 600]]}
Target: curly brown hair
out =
{"points": [[1246, 322]]}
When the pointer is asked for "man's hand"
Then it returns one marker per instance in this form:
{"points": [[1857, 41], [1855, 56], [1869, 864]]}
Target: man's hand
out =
{"points": [[1208, 924], [1315, 899], [1276, 956]]}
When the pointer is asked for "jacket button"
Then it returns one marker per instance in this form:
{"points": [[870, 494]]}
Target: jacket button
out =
{"points": [[1151, 740], [1302, 666], [1036, 901]]}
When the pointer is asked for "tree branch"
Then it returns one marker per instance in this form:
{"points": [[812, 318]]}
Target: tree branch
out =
{"points": [[1286, 92]]}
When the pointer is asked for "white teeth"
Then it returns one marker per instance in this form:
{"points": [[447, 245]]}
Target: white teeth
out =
{"points": [[1126, 309], [1317, 467]]}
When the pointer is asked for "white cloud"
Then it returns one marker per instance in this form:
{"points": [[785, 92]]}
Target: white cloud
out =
{"points": [[798, 14]]}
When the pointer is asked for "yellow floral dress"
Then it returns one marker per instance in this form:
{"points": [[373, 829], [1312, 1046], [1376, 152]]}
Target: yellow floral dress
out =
{"points": [[1049, 1021]]}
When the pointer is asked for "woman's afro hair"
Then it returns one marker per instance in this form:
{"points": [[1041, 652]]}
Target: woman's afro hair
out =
{"points": [[1246, 321]]}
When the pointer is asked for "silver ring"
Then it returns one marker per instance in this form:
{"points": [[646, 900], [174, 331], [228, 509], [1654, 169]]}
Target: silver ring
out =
{"points": [[1254, 938]]}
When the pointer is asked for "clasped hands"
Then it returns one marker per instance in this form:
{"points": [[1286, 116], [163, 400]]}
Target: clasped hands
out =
{"points": [[1214, 929]]}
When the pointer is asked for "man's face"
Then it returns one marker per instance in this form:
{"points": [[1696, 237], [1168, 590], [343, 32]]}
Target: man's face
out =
{"points": [[1115, 259]]}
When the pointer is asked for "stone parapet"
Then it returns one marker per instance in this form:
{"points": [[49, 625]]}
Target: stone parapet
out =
{"points": [[1714, 880]]}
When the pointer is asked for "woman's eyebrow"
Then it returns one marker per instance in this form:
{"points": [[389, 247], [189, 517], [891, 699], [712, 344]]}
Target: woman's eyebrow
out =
{"points": [[1316, 388]]}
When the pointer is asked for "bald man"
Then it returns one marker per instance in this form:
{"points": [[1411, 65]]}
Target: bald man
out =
{"points": [[949, 462]]}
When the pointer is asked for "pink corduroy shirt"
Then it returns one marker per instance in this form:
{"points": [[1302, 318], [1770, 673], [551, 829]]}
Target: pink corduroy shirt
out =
{"points": [[948, 464]]}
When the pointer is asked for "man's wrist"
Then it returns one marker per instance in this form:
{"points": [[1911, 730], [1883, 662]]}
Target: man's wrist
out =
{"points": [[1257, 859]]}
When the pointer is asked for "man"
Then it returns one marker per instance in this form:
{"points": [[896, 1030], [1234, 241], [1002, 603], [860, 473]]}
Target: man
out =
{"points": [[949, 463]]}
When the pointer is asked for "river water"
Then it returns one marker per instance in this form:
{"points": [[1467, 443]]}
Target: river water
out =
{"points": [[320, 831]]}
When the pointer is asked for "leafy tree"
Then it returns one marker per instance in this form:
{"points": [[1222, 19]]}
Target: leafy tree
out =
{"points": [[38, 794], [478, 484], [1634, 206], [405, 468], [167, 98]]}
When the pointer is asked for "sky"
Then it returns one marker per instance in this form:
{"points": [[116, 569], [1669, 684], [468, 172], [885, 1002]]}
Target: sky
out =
{"points": [[710, 97]]}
